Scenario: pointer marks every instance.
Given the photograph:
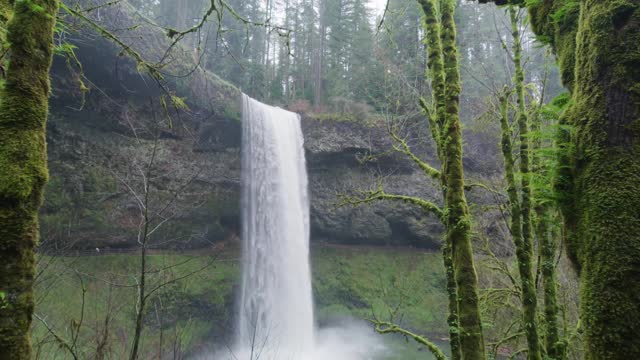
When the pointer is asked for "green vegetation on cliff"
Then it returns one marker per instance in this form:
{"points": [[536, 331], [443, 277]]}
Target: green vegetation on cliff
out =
{"points": [[197, 311], [355, 281]]}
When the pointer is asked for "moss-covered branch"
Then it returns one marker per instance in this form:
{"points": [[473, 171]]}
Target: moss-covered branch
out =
{"points": [[143, 65], [369, 196], [383, 327], [471, 185], [400, 145], [434, 126]]}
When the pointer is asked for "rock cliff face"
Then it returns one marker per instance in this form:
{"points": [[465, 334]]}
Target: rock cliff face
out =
{"points": [[104, 145], [95, 155], [334, 150]]}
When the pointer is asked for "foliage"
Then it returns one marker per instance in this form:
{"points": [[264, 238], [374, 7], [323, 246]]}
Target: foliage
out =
{"points": [[347, 283]]}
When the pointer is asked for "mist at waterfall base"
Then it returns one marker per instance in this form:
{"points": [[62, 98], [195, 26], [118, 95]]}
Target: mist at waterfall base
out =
{"points": [[275, 308]]}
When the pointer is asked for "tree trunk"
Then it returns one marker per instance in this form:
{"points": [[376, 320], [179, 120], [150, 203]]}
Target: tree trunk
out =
{"points": [[452, 297], [435, 68], [524, 245], [142, 300], [547, 234], [548, 247], [598, 44], [457, 219], [23, 164], [462, 282], [319, 58]]}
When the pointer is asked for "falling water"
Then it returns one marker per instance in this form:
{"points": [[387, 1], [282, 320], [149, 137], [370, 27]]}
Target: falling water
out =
{"points": [[275, 310], [276, 307]]}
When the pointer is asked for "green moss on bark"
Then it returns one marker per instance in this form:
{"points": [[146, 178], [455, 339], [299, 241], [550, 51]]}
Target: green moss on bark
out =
{"points": [[435, 64], [6, 12], [604, 226], [457, 217], [555, 23], [602, 209], [597, 43], [524, 245], [547, 222], [23, 114], [523, 253], [546, 236]]}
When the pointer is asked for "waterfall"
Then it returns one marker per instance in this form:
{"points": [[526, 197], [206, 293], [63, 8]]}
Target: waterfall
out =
{"points": [[275, 307]]}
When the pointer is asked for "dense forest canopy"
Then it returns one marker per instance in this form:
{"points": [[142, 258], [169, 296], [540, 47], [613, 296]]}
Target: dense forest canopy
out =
{"points": [[473, 171], [340, 51]]}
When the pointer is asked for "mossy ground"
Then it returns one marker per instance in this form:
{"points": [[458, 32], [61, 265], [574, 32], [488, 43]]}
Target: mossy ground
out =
{"points": [[347, 282]]}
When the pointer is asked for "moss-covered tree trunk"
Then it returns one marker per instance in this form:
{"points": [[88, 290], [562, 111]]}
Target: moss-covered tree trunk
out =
{"points": [[524, 261], [452, 297], [436, 74], [457, 218], [524, 245], [601, 65], [462, 283], [546, 220], [604, 219], [546, 226], [548, 247], [597, 43], [23, 166]]}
